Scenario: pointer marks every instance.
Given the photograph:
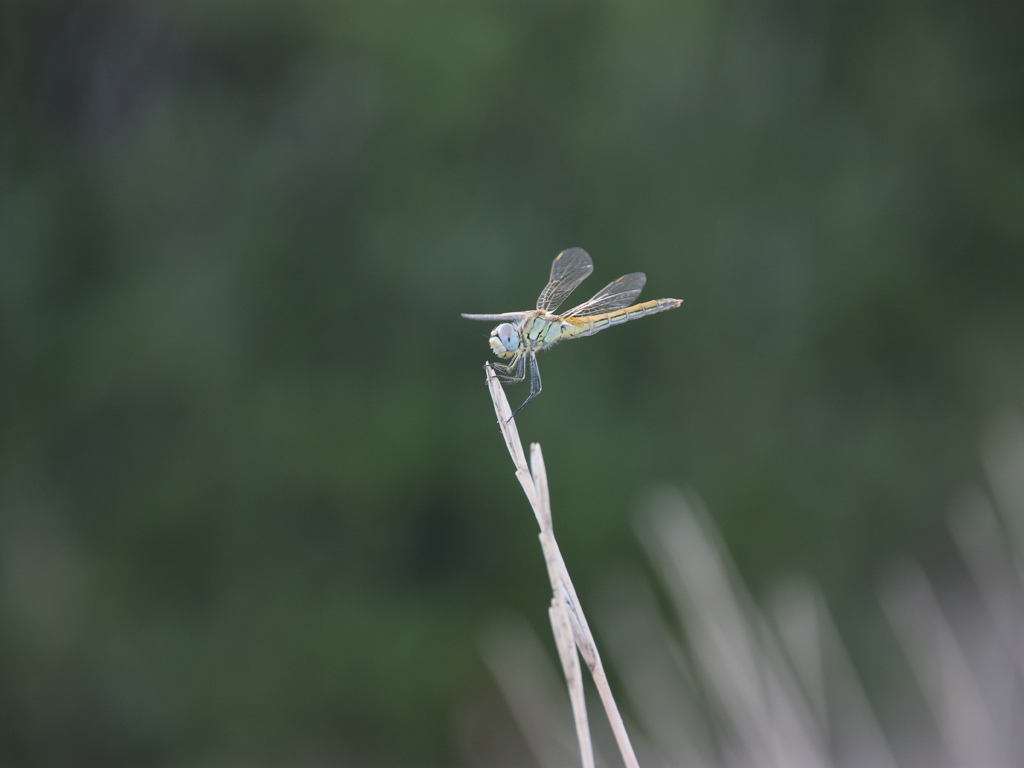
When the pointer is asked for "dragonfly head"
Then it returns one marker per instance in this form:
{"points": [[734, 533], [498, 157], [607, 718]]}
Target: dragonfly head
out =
{"points": [[504, 340]]}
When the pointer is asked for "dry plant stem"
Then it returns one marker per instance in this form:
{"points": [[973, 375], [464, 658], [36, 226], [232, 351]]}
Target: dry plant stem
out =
{"points": [[567, 619], [943, 672]]}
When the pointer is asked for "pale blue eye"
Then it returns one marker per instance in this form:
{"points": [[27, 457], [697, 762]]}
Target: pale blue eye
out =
{"points": [[506, 333]]}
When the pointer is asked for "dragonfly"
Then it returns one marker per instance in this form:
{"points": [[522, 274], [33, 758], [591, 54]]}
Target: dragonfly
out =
{"points": [[521, 335]]}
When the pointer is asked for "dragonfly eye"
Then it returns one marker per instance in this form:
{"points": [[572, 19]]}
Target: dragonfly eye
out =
{"points": [[504, 339]]}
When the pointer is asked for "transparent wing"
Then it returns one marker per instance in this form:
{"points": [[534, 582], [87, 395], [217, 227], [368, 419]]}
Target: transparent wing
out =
{"points": [[569, 269], [616, 295], [512, 316]]}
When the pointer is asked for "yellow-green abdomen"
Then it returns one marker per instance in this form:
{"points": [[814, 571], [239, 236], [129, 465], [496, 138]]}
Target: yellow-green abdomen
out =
{"points": [[588, 326]]}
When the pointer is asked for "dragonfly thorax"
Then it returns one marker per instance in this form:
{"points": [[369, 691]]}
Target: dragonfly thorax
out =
{"points": [[504, 340]]}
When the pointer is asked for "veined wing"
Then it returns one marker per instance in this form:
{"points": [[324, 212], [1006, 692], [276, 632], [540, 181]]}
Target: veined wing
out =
{"points": [[616, 295], [516, 316], [570, 268]]}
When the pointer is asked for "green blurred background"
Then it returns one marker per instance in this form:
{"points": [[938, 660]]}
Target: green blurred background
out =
{"points": [[255, 509]]}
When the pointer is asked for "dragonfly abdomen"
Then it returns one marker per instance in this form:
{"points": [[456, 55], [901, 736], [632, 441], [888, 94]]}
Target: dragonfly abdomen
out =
{"points": [[587, 326]]}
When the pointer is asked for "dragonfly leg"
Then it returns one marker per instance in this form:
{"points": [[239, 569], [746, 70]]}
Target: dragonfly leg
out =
{"points": [[512, 373], [534, 385]]}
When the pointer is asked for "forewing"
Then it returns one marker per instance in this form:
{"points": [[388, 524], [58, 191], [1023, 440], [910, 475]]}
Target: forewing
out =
{"points": [[510, 316], [569, 269], [616, 295]]}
